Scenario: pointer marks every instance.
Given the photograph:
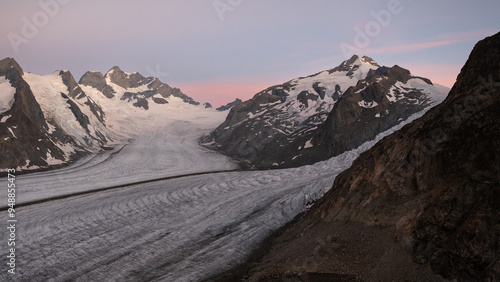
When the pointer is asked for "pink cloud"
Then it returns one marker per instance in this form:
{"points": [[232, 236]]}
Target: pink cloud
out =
{"points": [[443, 74]]}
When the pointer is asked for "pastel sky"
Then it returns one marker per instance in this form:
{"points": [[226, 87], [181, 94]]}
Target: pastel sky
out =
{"points": [[217, 50]]}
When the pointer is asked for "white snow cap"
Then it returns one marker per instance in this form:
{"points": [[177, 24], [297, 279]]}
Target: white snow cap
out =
{"points": [[7, 93]]}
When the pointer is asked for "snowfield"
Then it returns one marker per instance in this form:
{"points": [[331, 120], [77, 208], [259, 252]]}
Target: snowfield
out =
{"points": [[182, 229]]}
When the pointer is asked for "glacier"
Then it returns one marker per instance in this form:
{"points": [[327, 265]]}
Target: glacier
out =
{"points": [[186, 228]]}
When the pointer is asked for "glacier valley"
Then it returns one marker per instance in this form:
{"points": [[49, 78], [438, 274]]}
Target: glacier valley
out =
{"points": [[184, 228]]}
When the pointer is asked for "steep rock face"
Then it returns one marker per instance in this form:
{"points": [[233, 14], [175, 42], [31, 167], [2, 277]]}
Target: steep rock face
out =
{"points": [[51, 122], [433, 189], [382, 100], [76, 92], [313, 118], [23, 131], [125, 80], [133, 88], [96, 80], [66, 107]]}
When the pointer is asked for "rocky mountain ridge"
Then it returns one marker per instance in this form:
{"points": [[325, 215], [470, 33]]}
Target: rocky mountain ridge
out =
{"points": [[133, 87], [310, 119], [53, 120], [228, 106]]}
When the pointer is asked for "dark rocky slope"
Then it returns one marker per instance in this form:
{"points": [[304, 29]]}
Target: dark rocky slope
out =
{"points": [[23, 133], [422, 205]]}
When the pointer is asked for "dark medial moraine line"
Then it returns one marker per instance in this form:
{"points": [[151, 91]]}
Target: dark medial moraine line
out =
{"points": [[66, 196]]}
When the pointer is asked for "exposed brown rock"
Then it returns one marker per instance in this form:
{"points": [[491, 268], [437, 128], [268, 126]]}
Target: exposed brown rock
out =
{"points": [[98, 81]]}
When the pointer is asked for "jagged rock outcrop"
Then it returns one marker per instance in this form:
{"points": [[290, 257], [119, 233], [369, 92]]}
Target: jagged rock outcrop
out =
{"points": [[310, 119], [125, 80], [51, 122], [424, 198], [98, 81], [228, 106], [76, 92], [133, 88]]}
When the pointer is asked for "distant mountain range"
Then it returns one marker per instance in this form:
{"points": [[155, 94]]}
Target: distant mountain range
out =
{"points": [[51, 120], [133, 87], [313, 118]]}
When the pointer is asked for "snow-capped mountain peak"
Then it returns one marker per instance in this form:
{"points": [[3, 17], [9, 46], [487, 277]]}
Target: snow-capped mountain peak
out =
{"points": [[280, 123], [332, 83], [52, 119], [369, 60], [356, 65], [140, 91]]}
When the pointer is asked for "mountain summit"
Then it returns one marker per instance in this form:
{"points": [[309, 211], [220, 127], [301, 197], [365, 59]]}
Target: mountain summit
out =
{"points": [[133, 87], [50, 121], [313, 118]]}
